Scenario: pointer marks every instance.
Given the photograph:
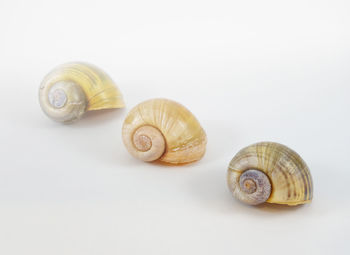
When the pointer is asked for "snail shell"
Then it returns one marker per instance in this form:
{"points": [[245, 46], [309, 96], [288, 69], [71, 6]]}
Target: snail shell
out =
{"points": [[269, 172], [163, 130], [74, 88]]}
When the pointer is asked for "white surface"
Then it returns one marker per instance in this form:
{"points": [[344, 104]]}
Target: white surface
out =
{"points": [[249, 70]]}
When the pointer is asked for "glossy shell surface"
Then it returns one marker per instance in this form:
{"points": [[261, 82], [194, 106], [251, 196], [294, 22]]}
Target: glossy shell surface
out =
{"points": [[289, 176], [185, 139]]}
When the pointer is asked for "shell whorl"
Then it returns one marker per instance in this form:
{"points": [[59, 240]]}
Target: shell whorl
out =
{"points": [[148, 142], [73, 88], [285, 170], [171, 132], [255, 187]]}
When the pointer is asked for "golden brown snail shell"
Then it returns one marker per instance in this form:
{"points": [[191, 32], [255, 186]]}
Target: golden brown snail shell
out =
{"points": [[163, 130]]}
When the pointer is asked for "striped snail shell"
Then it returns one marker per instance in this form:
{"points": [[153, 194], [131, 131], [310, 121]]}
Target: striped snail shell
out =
{"points": [[71, 89], [165, 131], [269, 172]]}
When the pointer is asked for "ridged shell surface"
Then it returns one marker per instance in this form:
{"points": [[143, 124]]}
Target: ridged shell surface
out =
{"points": [[184, 137], [100, 92], [288, 173]]}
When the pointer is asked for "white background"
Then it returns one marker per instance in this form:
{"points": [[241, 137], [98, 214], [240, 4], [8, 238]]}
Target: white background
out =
{"points": [[249, 70]]}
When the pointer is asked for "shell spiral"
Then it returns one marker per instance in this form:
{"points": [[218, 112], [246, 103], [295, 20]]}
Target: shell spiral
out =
{"points": [[74, 88], [163, 130], [286, 172]]}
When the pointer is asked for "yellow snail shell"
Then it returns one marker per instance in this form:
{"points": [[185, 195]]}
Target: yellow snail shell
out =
{"points": [[74, 88], [163, 130], [269, 172]]}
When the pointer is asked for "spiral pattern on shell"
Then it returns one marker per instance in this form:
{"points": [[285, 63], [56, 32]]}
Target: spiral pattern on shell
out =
{"points": [[163, 130], [286, 172]]}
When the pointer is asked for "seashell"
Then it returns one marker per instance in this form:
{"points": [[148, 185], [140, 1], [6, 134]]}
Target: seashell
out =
{"points": [[165, 131], [269, 172], [74, 88]]}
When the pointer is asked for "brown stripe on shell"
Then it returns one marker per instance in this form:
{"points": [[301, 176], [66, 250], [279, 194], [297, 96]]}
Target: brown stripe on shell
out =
{"points": [[304, 171], [282, 151], [283, 154]]}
